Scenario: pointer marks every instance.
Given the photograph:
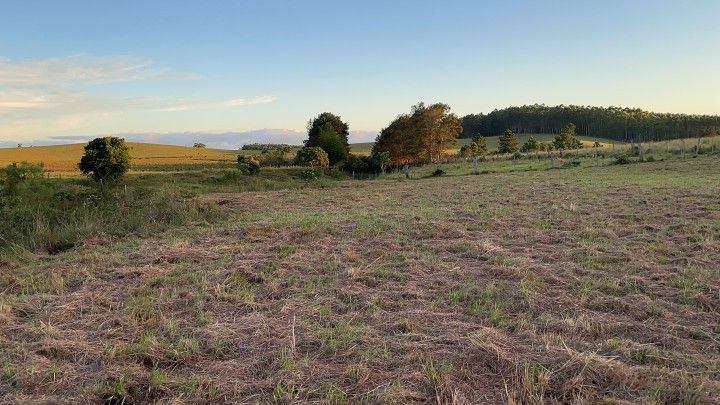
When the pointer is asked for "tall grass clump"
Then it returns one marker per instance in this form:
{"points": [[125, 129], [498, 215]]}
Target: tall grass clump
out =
{"points": [[44, 216]]}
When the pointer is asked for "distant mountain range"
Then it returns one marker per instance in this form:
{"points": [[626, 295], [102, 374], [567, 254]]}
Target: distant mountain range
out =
{"points": [[222, 140]]}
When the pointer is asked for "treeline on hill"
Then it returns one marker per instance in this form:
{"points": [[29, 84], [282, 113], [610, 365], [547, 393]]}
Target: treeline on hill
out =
{"points": [[265, 146], [612, 122]]}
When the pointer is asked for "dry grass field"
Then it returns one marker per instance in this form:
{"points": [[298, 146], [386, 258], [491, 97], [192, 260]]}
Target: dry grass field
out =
{"points": [[580, 285], [64, 158]]}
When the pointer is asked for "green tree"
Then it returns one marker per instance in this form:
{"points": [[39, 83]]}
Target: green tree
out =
{"points": [[508, 142], [313, 156], [248, 164], [476, 148], [567, 138], [397, 139], [333, 144], [316, 136], [382, 159], [421, 136], [481, 144], [105, 159], [532, 144]]}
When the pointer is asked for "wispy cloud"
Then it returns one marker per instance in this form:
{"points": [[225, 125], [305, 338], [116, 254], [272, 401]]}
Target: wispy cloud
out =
{"points": [[41, 96], [182, 105], [60, 72]]}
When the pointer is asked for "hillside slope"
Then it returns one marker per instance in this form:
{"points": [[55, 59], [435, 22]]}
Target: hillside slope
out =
{"points": [[64, 158]]}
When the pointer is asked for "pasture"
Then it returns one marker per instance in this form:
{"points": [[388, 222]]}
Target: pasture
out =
{"points": [[145, 156], [590, 282]]}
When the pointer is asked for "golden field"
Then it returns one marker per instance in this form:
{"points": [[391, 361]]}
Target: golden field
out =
{"points": [[64, 158]]}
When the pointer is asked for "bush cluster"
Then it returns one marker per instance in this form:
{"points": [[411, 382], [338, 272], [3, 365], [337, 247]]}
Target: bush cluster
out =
{"points": [[248, 164]]}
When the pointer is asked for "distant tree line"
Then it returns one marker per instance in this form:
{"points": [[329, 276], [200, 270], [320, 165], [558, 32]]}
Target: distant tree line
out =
{"points": [[265, 146], [617, 123]]}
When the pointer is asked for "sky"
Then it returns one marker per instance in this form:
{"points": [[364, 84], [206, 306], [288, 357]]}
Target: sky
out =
{"points": [[257, 70]]}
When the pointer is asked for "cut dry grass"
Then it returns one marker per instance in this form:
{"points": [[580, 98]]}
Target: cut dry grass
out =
{"points": [[584, 285]]}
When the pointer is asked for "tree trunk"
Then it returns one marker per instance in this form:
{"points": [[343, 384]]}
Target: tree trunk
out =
{"points": [[475, 164], [406, 168]]}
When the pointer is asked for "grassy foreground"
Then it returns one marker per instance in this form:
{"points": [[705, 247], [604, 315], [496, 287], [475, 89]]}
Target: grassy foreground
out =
{"points": [[585, 284]]}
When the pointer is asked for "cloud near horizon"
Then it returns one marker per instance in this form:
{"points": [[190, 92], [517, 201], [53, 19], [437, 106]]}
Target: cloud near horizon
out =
{"points": [[42, 96]]}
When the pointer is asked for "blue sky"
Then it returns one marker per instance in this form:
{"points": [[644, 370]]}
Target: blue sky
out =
{"points": [[95, 67]]}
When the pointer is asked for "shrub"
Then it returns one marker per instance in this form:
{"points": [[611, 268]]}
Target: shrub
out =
{"points": [[309, 175], [572, 163], [359, 164], [276, 157], [248, 164], [438, 172], [382, 159], [312, 156], [12, 175], [623, 159], [105, 159], [199, 145], [265, 147], [531, 144]]}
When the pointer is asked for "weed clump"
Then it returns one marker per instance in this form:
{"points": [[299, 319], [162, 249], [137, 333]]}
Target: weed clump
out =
{"points": [[309, 175], [623, 159]]}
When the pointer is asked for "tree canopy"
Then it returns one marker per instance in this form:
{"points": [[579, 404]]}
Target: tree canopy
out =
{"points": [[608, 122], [320, 130], [333, 144], [421, 136], [105, 159]]}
